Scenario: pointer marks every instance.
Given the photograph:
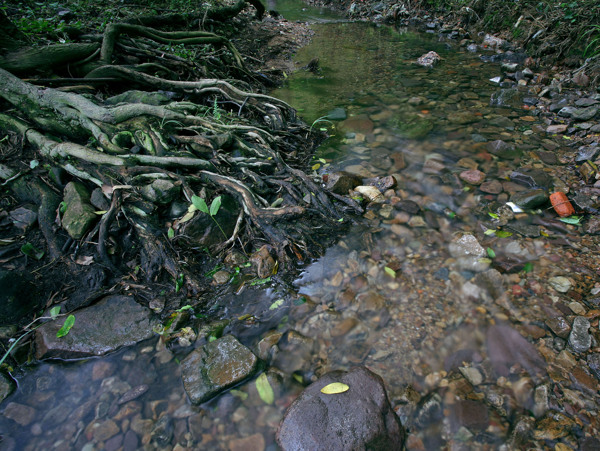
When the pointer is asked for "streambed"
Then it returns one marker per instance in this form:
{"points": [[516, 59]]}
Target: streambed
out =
{"points": [[465, 308]]}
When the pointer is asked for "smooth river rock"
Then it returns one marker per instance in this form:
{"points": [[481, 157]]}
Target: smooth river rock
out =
{"points": [[113, 322], [216, 366], [360, 418]]}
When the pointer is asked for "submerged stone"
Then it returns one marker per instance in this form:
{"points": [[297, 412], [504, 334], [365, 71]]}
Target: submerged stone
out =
{"points": [[579, 338], [114, 322], [359, 418], [216, 366], [530, 198], [161, 192]]}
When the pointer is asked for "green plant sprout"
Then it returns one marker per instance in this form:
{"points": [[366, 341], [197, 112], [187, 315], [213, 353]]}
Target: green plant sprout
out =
{"points": [[54, 313], [215, 205]]}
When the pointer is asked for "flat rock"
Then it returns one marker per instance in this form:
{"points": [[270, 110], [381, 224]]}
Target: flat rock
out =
{"points": [[360, 418], [216, 366], [585, 114], [530, 199], [557, 128], [19, 413], [6, 387], [113, 322], [341, 182]]}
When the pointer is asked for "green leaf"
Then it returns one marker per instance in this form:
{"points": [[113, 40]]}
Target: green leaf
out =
{"points": [[503, 233], [55, 311], [31, 251], [275, 305], [179, 283], [215, 205], [494, 215], [68, 324], [491, 252], [260, 281], [171, 233], [301, 300], [572, 220], [334, 388], [528, 267], [489, 232], [265, 391], [239, 394], [200, 204], [184, 308], [390, 272]]}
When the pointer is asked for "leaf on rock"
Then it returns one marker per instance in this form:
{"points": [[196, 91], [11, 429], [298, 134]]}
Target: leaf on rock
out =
{"points": [[334, 388], [64, 330], [390, 272], [275, 305], [265, 391], [54, 311]]}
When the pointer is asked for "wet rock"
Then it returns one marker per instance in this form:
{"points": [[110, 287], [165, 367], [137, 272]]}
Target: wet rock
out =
{"points": [[531, 177], [585, 114], [593, 361], [491, 187], [566, 111], [23, 218], [587, 153], [221, 277], [471, 414], [161, 191], [6, 387], [382, 183], [163, 431], [579, 339], [429, 410], [337, 114], [503, 149], [132, 394], [216, 366], [79, 214], [371, 193], [560, 284], [492, 42], [358, 124], [19, 413], [296, 350], [507, 98], [429, 59], [99, 200], [554, 426], [126, 320], [559, 326], [408, 206], [18, 296], [360, 418], [507, 347], [341, 182], [262, 262], [255, 442], [130, 441], [557, 128], [103, 430], [466, 246], [473, 375], [473, 177]]}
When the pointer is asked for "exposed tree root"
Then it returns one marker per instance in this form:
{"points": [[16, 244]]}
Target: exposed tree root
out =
{"points": [[151, 152]]}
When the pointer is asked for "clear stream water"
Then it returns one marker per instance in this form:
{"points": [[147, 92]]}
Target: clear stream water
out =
{"points": [[397, 295]]}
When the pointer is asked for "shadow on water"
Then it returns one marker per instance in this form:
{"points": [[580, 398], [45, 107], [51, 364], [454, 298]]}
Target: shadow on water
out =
{"points": [[403, 294]]}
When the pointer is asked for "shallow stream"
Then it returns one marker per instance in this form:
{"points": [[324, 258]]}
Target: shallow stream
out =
{"points": [[424, 292]]}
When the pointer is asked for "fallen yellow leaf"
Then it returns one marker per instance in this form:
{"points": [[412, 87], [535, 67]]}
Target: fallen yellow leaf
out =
{"points": [[334, 388]]}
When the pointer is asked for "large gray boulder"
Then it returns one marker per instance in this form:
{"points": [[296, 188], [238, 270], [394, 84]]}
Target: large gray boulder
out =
{"points": [[113, 322], [216, 366], [358, 419]]}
